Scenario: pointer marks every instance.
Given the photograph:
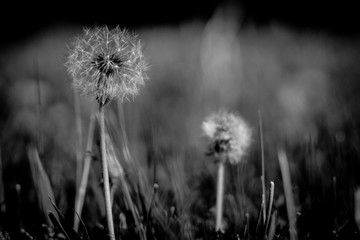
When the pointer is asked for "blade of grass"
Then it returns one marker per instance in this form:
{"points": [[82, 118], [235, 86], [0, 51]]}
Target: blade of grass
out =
{"points": [[59, 214], [133, 210], [84, 227], [116, 173], [148, 222], [263, 187], [272, 227], [41, 183], [85, 175], [140, 176], [271, 200], [247, 227], [259, 225], [66, 226], [57, 224], [289, 197], [39, 104]]}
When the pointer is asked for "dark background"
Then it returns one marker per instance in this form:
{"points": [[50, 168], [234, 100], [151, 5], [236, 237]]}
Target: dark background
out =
{"points": [[20, 20]]}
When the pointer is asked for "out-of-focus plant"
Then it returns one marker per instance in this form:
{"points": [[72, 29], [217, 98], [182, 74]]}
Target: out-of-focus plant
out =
{"points": [[230, 136]]}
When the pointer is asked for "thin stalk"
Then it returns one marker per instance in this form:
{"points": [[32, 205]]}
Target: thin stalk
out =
{"points": [[263, 187], [106, 175], [271, 200], [84, 227], [36, 76], [336, 226], [258, 221], [272, 227], [220, 196], [247, 226], [289, 197], [154, 170], [85, 174], [133, 209], [79, 139], [18, 205]]}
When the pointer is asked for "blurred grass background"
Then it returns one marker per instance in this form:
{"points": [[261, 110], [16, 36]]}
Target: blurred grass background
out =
{"points": [[304, 82]]}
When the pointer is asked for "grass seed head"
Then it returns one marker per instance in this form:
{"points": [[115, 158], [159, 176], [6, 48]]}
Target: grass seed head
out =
{"points": [[107, 64], [228, 133]]}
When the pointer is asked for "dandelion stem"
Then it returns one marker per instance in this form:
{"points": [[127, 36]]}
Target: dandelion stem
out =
{"points": [[220, 196], [106, 175], [85, 174]]}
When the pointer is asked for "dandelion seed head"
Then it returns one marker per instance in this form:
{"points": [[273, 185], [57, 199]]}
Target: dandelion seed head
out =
{"points": [[228, 133], [107, 64]]}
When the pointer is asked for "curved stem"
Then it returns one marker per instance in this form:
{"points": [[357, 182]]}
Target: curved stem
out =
{"points": [[106, 176]]}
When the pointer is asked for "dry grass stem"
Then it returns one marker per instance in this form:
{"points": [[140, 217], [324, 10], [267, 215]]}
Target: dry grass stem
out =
{"points": [[290, 204], [85, 174]]}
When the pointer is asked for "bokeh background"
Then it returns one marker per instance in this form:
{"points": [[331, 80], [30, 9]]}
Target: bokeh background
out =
{"points": [[296, 62]]}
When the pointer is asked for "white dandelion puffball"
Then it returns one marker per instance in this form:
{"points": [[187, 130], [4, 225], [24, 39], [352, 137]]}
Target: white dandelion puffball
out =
{"points": [[107, 64], [229, 134]]}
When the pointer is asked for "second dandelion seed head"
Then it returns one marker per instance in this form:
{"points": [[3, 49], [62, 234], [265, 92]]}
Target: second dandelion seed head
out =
{"points": [[107, 64], [229, 135]]}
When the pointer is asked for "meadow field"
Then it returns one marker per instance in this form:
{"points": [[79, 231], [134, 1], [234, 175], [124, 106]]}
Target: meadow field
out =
{"points": [[303, 86]]}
